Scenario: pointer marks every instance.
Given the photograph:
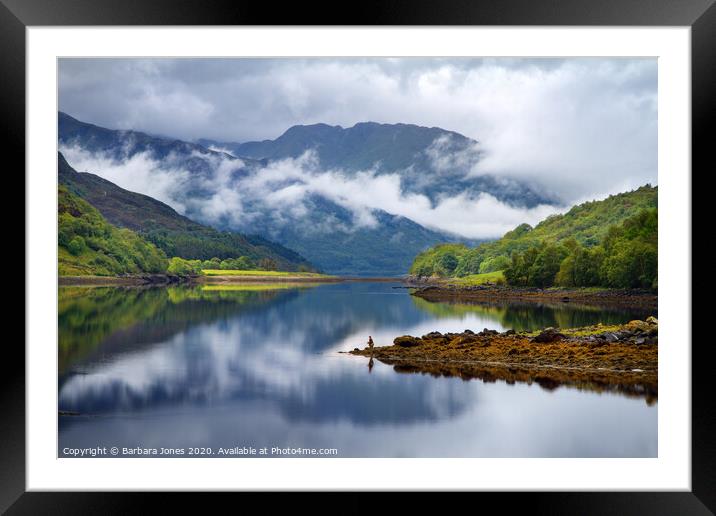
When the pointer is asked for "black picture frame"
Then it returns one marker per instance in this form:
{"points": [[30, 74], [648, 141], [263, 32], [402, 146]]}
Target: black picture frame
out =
{"points": [[16, 15]]}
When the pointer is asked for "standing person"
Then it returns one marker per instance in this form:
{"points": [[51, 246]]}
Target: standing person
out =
{"points": [[370, 342]]}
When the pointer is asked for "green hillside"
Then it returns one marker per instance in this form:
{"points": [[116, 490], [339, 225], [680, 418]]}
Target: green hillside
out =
{"points": [[171, 232], [615, 238], [589, 222], [89, 245]]}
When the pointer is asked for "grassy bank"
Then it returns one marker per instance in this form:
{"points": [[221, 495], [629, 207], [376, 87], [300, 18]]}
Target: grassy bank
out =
{"points": [[206, 276], [258, 286], [273, 274], [238, 276], [472, 280]]}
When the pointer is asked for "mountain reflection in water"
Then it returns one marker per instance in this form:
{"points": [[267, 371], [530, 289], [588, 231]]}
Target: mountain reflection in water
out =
{"points": [[258, 365]]}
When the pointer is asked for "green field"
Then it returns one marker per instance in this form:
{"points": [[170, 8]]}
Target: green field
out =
{"points": [[233, 272], [259, 287], [479, 279]]}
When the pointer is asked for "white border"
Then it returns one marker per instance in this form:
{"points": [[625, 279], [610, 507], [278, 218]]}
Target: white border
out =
{"points": [[671, 470]]}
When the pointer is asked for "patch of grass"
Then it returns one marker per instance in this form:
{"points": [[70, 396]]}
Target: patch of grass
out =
{"points": [[581, 290], [496, 277], [254, 287], [221, 272]]}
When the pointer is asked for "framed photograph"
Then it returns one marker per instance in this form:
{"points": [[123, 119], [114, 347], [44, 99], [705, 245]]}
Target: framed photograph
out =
{"points": [[423, 249]]}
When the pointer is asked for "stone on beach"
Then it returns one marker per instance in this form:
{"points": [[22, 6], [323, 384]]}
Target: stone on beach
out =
{"points": [[549, 335], [406, 341]]}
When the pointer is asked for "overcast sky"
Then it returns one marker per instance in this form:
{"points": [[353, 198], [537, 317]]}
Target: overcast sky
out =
{"points": [[581, 127]]}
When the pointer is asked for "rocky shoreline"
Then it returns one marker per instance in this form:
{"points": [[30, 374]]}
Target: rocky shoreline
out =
{"points": [[621, 358], [127, 280], [626, 298], [174, 279]]}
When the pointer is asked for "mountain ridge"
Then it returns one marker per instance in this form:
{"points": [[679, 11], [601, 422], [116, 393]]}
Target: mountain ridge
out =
{"points": [[431, 161], [220, 189]]}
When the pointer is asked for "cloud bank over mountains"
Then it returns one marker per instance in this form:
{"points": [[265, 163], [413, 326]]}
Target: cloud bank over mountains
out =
{"points": [[581, 128], [235, 195]]}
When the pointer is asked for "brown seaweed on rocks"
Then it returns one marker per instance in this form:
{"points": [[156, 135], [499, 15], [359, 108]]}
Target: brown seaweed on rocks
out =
{"points": [[620, 358]]}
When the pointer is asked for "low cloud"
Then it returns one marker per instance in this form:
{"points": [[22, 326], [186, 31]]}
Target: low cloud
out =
{"points": [[236, 195], [480, 216], [576, 127], [139, 173], [444, 158]]}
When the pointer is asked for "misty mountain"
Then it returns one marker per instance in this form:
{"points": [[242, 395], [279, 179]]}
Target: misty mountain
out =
{"points": [[120, 145], [429, 160], [300, 190], [161, 225], [328, 234]]}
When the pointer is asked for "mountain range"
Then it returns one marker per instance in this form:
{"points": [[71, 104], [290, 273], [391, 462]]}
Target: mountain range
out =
{"points": [[286, 190], [429, 160]]}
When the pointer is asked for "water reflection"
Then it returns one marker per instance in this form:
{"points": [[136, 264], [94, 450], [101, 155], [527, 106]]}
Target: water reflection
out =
{"points": [[269, 354], [528, 316], [195, 366], [124, 318]]}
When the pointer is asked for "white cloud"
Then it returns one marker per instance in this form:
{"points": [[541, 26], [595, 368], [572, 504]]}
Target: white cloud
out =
{"points": [[444, 159], [138, 173], [482, 216], [281, 190], [576, 127]]}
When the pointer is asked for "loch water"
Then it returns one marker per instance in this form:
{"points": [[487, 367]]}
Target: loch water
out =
{"points": [[229, 370]]}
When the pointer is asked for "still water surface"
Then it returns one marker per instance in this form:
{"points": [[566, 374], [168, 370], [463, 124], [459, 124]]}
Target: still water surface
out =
{"points": [[241, 367]]}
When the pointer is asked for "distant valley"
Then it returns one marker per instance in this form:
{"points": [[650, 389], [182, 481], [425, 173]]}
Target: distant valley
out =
{"points": [[288, 190]]}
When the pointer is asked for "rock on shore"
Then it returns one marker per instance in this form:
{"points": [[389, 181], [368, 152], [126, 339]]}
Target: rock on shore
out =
{"points": [[618, 355]]}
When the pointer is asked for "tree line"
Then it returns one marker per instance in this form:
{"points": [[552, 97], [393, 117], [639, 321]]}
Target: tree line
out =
{"points": [[582, 234], [626, 258], [183, 267]]}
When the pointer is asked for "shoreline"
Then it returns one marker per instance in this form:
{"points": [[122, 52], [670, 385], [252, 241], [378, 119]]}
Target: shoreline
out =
{"points": [[169, 279], [130, 281], [234, 279], [621, 358], [429, 291], [598, 297]]}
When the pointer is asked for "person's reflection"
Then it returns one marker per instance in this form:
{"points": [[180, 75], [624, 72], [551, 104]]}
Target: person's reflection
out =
{"points": [[370, 346]]}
